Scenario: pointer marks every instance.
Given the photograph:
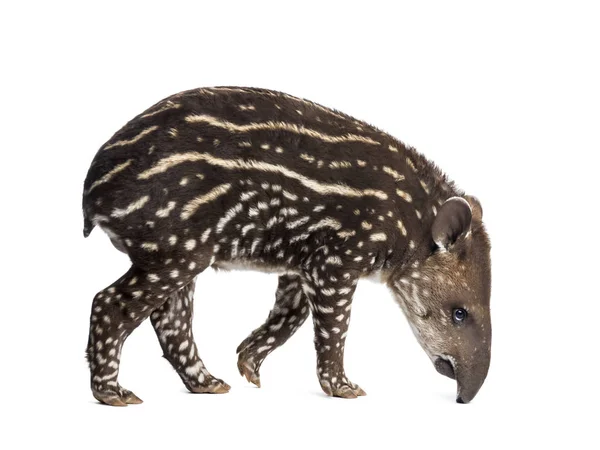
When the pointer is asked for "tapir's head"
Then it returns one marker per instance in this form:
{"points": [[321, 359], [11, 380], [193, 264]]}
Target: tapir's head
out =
{"points": [[446, 296]]}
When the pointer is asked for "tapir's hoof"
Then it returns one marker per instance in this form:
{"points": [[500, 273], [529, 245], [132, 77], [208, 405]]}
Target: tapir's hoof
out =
{"points": [[120, 397], [248, 370], [212, 386], [130, 398], [342, 390]]}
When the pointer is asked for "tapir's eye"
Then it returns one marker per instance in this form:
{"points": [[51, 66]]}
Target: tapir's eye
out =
{"points": [[459, 315]]}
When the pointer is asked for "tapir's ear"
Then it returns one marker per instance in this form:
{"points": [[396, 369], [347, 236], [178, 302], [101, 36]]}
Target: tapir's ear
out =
{"points": [[452, 220], [475, 207]]}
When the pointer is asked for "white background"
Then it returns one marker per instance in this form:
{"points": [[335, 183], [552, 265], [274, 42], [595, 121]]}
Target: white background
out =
{"points": [[504, 97]]}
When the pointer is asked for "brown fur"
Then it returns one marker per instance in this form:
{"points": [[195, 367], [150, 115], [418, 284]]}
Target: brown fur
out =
{"points": [[223, 177]]}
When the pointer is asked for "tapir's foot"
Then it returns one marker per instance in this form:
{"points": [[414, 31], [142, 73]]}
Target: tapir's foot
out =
{"points": [[249, 341], [341, 387], [117, 396], [210, 385], [248, 368]]}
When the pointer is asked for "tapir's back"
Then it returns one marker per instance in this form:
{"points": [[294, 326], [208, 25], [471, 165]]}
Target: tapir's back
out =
{"points": [[250, 124]]}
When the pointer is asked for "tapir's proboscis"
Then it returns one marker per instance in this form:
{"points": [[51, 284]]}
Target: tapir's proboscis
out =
{"points": [[244, 178]]}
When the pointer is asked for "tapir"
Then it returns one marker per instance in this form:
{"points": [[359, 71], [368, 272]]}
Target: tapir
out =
{"points": [[245, 178]]}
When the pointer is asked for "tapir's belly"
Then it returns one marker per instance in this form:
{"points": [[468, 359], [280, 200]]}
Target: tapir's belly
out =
{"points": [[254, 266]]}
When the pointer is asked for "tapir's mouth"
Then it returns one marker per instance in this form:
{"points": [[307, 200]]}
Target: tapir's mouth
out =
{"points": [[444, 366]]}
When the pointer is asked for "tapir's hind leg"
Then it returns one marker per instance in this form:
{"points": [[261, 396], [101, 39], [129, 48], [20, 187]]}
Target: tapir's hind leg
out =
{"points": [[173, 325], [289, 313], [116, 312]]}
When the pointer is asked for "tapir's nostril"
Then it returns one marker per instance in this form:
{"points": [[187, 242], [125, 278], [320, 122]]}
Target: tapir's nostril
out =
{"points": [[459, 400], [445, 368]]}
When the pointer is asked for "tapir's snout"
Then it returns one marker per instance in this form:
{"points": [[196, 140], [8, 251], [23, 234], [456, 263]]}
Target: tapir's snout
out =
{"points": [[469, 379], [468, 384]]}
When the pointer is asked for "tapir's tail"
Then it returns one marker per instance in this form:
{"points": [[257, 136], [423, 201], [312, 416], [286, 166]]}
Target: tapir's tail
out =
{"points": [[88, 226]]}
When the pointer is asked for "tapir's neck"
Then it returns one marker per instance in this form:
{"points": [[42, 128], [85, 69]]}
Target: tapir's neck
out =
{"points": [[422, 189], [435, 186]]}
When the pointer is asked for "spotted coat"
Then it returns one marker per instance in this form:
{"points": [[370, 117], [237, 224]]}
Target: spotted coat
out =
{"points": [[249, 178]]}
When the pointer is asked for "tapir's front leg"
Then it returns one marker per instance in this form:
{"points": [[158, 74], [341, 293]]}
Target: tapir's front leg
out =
{"points": [[330, 305]]}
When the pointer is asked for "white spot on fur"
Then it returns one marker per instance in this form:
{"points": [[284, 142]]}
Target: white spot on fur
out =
{"points": [[150, 246], [377, 237], [404, 195], [230, 214], [327, 222], [205, 235], [402, 228], [164, 212]]}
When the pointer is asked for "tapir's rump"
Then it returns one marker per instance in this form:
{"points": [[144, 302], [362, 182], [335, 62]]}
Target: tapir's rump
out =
{"points": [[228, 177]]}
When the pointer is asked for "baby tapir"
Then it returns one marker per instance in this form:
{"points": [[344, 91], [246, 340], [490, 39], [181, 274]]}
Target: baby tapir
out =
{"points": [[230, 178]]}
